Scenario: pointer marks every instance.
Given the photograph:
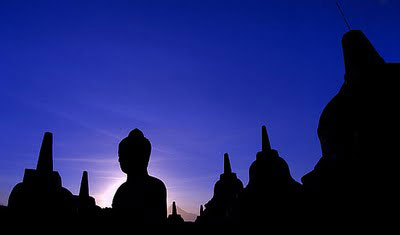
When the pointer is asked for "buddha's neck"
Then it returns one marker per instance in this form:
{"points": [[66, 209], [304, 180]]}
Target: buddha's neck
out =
{"points": [[137, 175]]}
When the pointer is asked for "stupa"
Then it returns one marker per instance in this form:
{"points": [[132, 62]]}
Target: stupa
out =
{"points": [[41, 190], [226, 191]]}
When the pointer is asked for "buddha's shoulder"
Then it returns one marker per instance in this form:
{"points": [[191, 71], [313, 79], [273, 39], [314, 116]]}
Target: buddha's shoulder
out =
{"points": [[122, 188], [155, 182]]}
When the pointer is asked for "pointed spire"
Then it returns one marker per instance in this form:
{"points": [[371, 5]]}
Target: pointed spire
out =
{"points": [[84, 190], [201, 210], [227, 164], [45, 162], [358, 51], [265, 140], [174, 208]]}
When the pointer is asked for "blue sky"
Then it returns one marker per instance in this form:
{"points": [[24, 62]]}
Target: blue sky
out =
{"points": [[199, 78]]}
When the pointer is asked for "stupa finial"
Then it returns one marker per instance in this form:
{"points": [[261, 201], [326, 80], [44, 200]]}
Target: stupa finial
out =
{"points": [[45, 162], [227, 164], [266, 146], [174, 212], [84, 190]]}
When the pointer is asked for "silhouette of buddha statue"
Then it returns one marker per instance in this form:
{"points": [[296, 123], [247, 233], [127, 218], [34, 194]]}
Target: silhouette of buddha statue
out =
{"points": [[41, 190], [142, 197], [226, 192], [271, 191]]}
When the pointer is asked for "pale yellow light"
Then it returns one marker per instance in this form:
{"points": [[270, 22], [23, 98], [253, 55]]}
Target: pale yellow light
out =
{"points": [[105, 199]]}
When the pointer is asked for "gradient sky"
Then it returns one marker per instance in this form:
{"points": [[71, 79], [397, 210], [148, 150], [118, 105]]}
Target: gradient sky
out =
{"points": [[199, 78]]}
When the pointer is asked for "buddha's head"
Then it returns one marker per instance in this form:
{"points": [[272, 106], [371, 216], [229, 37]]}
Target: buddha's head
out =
{"points": [[134, 153]]}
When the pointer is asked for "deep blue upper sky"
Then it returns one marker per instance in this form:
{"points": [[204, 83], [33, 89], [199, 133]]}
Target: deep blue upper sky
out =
{"points": [[199, 78]]}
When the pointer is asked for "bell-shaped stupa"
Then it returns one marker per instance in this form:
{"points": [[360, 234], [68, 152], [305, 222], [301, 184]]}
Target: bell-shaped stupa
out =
{"points": [[175, 218], [41, 190], [271, 190], [226, 192], [84, 202]]}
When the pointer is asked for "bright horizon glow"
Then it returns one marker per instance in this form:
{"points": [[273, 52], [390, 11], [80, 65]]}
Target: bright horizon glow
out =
{"points": [[105, 199]]}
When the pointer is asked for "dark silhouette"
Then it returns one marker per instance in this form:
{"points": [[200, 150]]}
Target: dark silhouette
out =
{"points": [[353, 131], [226, 192], [3, 210], [199, 218], [85, 204], [271, 191], [186, 216], [141, 197], [41, 189], [175, 218], [353, 179]]}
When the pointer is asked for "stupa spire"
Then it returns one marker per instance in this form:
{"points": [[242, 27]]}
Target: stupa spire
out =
{"points": [[227, 164], [84, 190], [265, 139], [359, 52], [175, 218], [45, 162], [174, 212]]}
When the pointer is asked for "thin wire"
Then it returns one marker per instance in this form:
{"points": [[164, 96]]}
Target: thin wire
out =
{"points": [[344, 17]]}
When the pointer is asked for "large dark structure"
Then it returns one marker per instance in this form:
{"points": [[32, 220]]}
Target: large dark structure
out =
{"points": [[354, 131], [41, 189], [226, 191], [142, 197], [271, 191]]}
